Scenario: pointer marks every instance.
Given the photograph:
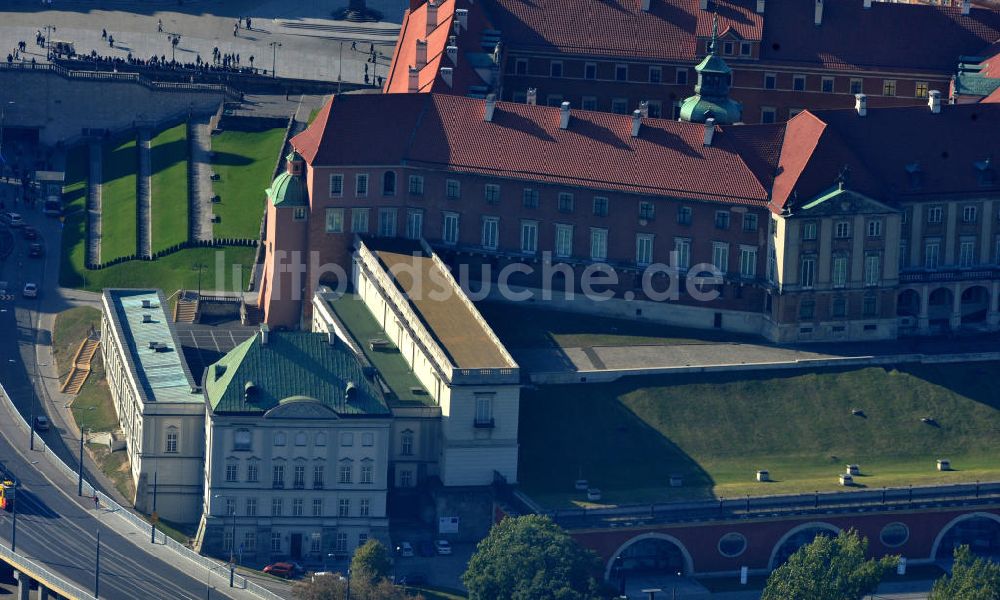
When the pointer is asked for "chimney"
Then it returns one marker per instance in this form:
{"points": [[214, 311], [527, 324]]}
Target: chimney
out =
{"points": [[421, 54], [818, 18], [966, 7], [760, 6], [934, 101], [452, 53], [636, 122], [147, 318], [432, 16], [644, 108], [532, 96], [703, 4], [861, 104], [645, 5], [564, 116], [491, 105], [264, 332], [446, 75], [868, 4], [462, 18], [414, 82], [331, 338], [709, 130]]}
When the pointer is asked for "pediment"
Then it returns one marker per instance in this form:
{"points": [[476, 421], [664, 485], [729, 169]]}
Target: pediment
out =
{"points": [[301, 408], [842, 202]]}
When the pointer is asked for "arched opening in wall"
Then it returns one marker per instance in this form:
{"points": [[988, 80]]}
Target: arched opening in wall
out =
{"points": [[939, 307], [908, 304], [979, 532], [650, 555], [975, 302], [798, 537]]}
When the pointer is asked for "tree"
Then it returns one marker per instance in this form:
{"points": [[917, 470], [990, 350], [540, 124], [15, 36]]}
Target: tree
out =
{"points": [[971, 578], [531, 558], [828, 569], [371, 562], [334, 587]]}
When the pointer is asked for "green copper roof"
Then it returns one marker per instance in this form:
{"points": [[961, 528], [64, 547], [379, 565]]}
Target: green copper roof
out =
{"points": [[291, 366], [724, 110], [713, 64], [288, 190], [970, 82]]}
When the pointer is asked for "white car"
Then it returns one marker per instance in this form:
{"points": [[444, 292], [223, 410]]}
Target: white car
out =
{"points": [[13, 219], [593, 494], [30, 290], [442, 547], [405, 549]]}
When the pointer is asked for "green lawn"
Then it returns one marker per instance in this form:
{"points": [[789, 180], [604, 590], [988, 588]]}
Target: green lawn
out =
{"points": [[71, 328], [118, 200], [74, 234], [169, 187], [718, 430], [244, 162], [520, 326]]}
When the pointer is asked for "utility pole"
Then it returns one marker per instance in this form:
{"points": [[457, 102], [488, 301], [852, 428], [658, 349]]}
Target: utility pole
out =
{"points": [[79, 474], [97, 567], [153, 517], [274, 56], [340, 65], [13, 510]]}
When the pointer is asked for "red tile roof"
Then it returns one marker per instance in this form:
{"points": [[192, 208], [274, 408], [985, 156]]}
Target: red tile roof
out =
{"points": [[525, 142], [888, 35], [620, 27]]}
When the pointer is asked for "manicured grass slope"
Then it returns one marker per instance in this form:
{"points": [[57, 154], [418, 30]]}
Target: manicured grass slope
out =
{"points": [[118, 199], [169, 186], [627, 437], [175, 271], [244, 162], [74, 233]]}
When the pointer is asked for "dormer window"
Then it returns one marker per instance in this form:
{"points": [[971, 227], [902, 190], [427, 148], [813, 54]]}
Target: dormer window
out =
{"points": [[727, 48], [915, 175], [984, 172]]}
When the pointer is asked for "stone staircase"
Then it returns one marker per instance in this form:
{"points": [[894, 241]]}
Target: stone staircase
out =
{"points": [[93, 256], [81, 365], [144, 217], [186, 308]]}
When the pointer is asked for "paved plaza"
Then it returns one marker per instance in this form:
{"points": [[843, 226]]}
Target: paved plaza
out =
{"points": [[312, 44]]}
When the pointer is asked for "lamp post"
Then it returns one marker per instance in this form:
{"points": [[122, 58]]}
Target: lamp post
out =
{"points": [[13, 510], [79, 471], [274, 56], [175, 39], [199, 266], [97, 567], [49, 30], [154, 517]]}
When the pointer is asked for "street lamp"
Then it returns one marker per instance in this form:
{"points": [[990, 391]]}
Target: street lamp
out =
{"points": [[49, 30], [232, 544], [274, 55], [174, 40], [97, 566], [13, 511], [200, 266]]}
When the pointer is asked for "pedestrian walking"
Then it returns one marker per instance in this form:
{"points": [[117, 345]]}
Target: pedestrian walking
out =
{"points": [[251, 61], [104, 34], [236, 28], [97, 501], [159, 25], [248, 23], [239, 21], [111, 41]]}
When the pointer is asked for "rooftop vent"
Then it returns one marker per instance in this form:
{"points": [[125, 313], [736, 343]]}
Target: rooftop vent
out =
{"points": [[966, 7], [868, 4], [447, 75], [934, 101], [709, 131], [861, 104], [491, 105], [147, 304], [146, 318], [636, 122], [249, 390], [818, 13], [452, 53], [379, 344], [532, 96], [264, 333], [462, 18], [645, 5], [350, 391], [413, 83], [420, 56], [564, 116], [703, 4], [760, 6], [154, 345], [432, 16]]}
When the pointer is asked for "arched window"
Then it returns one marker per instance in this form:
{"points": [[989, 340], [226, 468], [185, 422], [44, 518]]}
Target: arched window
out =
{"points": [[279, 438], [242, 439], [321, 439], [300, 438]]}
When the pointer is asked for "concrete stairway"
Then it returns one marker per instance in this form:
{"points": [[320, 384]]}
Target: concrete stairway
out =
{"points": [[81, 366], [144, 219], [200, 180], [93, 256], [186, 308]]}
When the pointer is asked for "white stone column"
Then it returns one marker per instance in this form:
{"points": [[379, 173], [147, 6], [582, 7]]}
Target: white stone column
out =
{"points": [[992, 313], [923, 319], [950, 227], [956, 307], [985, 243], [916, 235]]}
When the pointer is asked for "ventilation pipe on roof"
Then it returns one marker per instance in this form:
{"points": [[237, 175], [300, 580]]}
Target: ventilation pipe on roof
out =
{"points": [[462, 18], [532, 96], [934, 101], [818, 18], [432, 16], [645, 5], [491, 105], [413, 83], [421, 54], [264, 331], [350, 391], [636, 122], [703, 4], [147, 318], [644, 108], [709, 130], [446, 75], [452, 53], [868, 4], [331, 338], [966, 7], [564, 116], [760, 6], [861, 104]]}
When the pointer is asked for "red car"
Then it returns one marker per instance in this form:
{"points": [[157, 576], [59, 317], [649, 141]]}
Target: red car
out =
{"points": [[280, 569]]}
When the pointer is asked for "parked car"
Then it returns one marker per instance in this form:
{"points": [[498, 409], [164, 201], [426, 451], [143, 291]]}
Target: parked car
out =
{"points": [[412, 579], [36, 250], [30, 233], [41, 423], [425, 548], [12, 219], [280, 569], [593, 494], [405, 549], [30, 290], [442, 547]]}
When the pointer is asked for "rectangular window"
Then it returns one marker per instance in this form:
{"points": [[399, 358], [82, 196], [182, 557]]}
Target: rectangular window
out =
{"points": [[529, 198], [600, 206], [491, 193], [276, 508], [318, 477], [299, 477], [827, 85], [621, 72], [722, 219], [171, 442], [227, 540], [389, 183], [809, 231], [807, 274], [799, 83], [315, 542], [414, 224], [643, 249], [250, 541], [275, 542], [387, 222], [484, 409], [232, 472], [842, 230], [681, 76], [934, 214], [683, 215], [932, 254], [720, 256], [857, 86], [969, 214], [364, 507], [521, 66], [869, 306], [416, 185], [359, 220], [278, 476], [406, 443], [449, 231], [297, 507], [334, 220], [367, 474], [340, 545], [749, 222], [654, 108], [921, 89], [967, 252], [589, 103], [317, 507], [904, 256], [727, 48], [344, 507], [598, 243], [682, 250], [768, 114], [748, 262], [565, 202], [346, 472], [889, 87], [838, 271], [252, 471], [361, 185], [406, 478], [529, 237], [745, 49], [491, 232], [299, 214], [453, 189], [655, 74], [619, 105], [590, 71], [873, 269], [807, 309], [647, 210], [875, 228], [231, 506], [770, 81], [564, 241], [556, 68], [336, 185]]}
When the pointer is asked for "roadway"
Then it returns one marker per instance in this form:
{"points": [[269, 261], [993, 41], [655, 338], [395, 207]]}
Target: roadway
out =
{"points": [[54, 526]]}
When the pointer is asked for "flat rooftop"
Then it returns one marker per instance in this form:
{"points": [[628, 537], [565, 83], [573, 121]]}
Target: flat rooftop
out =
{"points": [[463, 337], [352, 313], [161, 372]]}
